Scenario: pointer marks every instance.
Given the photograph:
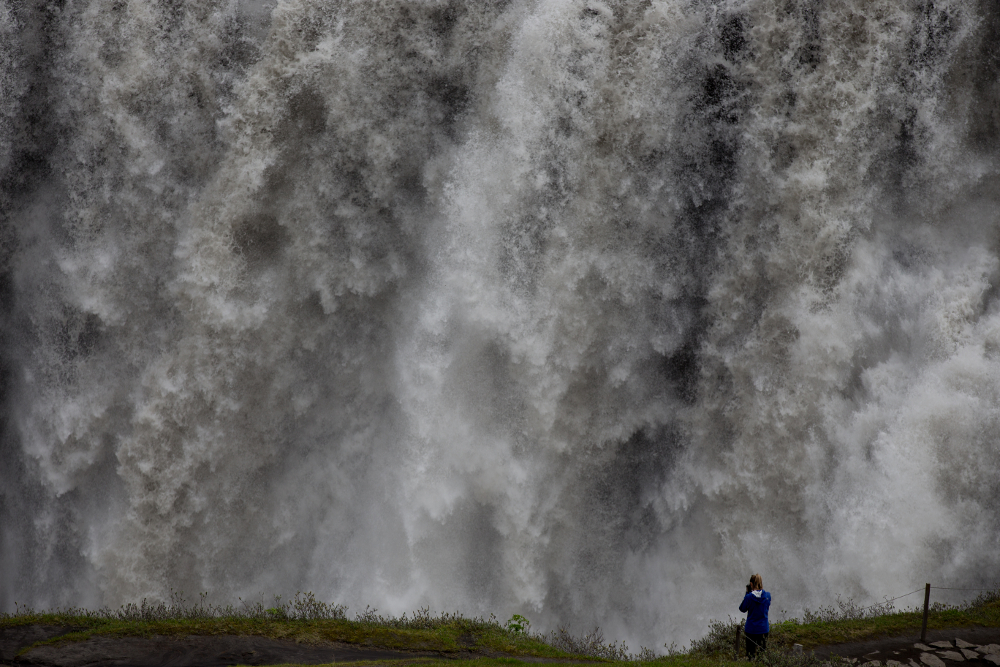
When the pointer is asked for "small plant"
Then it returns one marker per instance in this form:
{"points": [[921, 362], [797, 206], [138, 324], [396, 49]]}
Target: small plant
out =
{"points": [[720, 640], [518, 624], [306, 607], [848, 610], [645, 655], [279, 612], [591, 644]]}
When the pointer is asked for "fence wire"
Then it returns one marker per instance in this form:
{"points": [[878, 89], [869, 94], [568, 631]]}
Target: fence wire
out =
{"points": [[885, 602], [936, 588]]}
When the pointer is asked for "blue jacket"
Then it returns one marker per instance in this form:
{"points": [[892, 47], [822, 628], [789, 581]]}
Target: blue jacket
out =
{"points": [[757, 618]]}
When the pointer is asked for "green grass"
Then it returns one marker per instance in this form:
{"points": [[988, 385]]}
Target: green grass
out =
{"points": [[837, 631], [305, 620], [850, 623], [455, 636], [481, 642]]}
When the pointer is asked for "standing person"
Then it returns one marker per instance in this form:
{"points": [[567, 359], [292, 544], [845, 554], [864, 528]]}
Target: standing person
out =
{"points": [[755, 604]]}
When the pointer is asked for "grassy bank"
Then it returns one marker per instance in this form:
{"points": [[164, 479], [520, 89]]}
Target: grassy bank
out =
{"points": [[822, 633], [302, 620], [488, 642], [847, 622]]}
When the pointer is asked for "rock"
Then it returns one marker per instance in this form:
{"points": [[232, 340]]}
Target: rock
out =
{"points": [[941, 644], [923, 647], [961, 643], [912, 663], [872, 663], [893, 663], [992, 657], [969, 655], [954, 656], [931, 660], [989, 648]]}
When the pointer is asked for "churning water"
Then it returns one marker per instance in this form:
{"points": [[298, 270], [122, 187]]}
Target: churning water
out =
{"points": [[580, 309]]}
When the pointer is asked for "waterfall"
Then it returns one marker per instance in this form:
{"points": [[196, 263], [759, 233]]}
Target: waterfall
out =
{"points": [[581, 309]]}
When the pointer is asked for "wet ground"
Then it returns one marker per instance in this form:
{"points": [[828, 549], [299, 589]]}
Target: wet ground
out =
{"points": [[190, 651]]}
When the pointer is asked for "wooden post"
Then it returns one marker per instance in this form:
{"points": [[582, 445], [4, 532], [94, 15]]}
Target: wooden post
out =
{"points": [[739, 627], [927, 599]]}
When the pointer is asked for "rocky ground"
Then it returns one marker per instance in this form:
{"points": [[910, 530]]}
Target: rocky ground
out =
{"points": [[972, 647]]}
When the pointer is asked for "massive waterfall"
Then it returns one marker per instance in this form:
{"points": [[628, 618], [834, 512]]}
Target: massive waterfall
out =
{"points": [[581, 309]]}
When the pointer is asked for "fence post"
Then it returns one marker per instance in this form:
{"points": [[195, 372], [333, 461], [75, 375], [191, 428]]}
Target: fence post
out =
{"points": [[739, 627], [927, 599]]}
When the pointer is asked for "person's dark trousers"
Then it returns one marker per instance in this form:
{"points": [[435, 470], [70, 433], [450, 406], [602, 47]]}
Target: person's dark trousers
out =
{"points": [[755, 643]]}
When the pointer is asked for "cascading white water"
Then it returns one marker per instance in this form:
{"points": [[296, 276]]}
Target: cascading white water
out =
{"points": [[584, 310]]}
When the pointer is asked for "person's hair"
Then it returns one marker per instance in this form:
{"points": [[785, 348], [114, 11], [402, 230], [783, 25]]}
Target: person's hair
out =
{"points": [[756, 583]]}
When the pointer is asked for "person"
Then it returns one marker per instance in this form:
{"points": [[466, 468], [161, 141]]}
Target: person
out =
{"points": [[755, 605]]}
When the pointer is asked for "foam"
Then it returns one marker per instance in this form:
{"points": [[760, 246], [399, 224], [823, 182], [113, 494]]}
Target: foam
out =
{"points": [[582, 311]]}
